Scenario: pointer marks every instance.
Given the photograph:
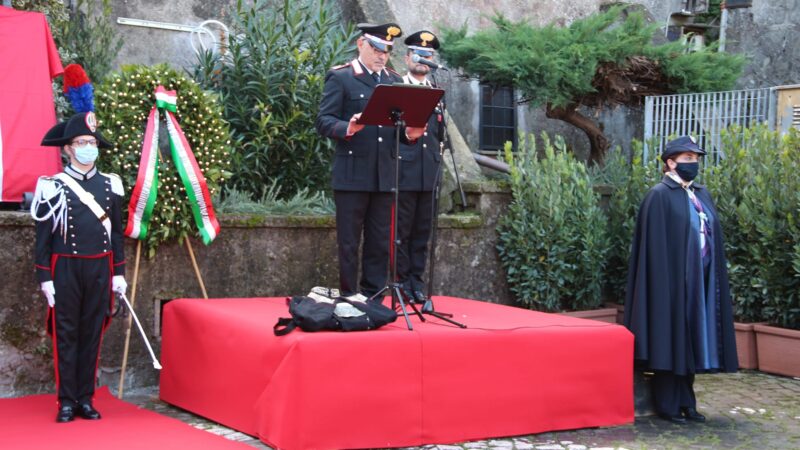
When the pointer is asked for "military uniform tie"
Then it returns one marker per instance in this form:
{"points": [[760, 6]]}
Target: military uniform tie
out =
{"points": [[377, 77]]}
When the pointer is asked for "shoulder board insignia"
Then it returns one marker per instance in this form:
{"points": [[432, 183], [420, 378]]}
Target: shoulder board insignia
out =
{"points": [[47, 188], [392, 71], [116, 183], [356, 67], [340, 66]]}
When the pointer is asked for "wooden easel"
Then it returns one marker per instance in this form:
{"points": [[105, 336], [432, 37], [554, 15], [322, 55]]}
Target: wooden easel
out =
{"points": [[133, 298]]}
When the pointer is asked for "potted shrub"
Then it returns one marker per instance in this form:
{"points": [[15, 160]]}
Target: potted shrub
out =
{"points": [[629, 179], [553, 240], [758, 194]]}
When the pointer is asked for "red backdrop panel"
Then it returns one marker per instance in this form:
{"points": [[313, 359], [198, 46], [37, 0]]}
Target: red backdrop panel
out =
{"points": [[28, 62]]}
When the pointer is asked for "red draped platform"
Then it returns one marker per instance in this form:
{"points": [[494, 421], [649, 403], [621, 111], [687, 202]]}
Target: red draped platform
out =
{"points": [[512, 372]]}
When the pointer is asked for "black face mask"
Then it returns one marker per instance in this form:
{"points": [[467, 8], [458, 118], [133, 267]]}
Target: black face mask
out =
{"points": [[687, 170]]}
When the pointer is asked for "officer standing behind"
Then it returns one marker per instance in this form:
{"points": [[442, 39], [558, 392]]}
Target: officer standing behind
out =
{"points": [[79, 259], [363, 167], [420, 164]]}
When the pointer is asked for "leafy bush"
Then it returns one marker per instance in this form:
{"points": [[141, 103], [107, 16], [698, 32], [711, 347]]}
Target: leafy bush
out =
{"points": [[270, 80], [123, 103], [757, 192], [630, 181], [90, 35], [552, 241]]}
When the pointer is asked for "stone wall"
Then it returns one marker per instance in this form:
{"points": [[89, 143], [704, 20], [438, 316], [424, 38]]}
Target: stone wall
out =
{"points": [[253, 256]]}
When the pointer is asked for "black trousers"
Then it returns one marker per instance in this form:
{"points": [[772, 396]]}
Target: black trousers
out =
{"points": [[367, 214], [672, 392], [83, 295], [414, 231]]}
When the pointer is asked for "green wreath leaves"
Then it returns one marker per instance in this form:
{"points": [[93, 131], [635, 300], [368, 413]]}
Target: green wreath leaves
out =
{"points": [[123, 102]]}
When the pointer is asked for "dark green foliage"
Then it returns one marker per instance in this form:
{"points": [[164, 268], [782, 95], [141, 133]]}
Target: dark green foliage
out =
{"points": [[757, 191], [553, 241], [123, 103], [630, 181], [605, 58], [557, 65], [92, 38], [301, 203], [700, 71], [270, 81]]}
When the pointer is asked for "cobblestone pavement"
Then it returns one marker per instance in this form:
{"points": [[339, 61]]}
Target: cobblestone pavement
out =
{"points": [[747, 410]]}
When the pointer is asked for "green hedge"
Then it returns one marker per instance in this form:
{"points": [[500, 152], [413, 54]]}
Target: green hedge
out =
{"points": [[557, 248], [630, 179], [553, 241], [757, 191]]}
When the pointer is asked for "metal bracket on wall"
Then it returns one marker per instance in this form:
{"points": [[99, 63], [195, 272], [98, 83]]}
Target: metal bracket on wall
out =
{"points": [[220, 39]]}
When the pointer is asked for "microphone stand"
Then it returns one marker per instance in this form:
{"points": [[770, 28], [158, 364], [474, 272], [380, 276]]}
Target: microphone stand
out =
{"points": [[427, 307]]}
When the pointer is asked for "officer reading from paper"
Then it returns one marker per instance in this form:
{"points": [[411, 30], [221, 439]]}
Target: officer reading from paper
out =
{"points": [[418, 169], [363, 167], [80, 259]]}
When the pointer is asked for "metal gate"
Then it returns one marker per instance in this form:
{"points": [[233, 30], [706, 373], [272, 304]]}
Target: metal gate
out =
{"points": [[703, 116]]}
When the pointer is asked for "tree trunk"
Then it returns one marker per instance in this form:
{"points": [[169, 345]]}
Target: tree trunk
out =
{"points": [[597, 140]]}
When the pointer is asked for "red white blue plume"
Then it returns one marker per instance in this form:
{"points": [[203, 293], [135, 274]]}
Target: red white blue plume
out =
{"points": [[78, 89]]}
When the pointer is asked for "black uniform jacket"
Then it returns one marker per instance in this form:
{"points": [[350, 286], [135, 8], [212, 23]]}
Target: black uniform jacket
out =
{"points": [[363, 162], [655, 303], [85, 234], [420, 160]]}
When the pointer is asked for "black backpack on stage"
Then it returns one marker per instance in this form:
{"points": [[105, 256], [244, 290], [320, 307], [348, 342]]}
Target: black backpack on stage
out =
{"points": [[311, 315]]}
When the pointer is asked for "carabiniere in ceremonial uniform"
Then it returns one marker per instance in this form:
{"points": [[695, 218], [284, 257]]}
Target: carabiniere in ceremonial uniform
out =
{"points": [[363, 167], [79, 259], [418, 171]]}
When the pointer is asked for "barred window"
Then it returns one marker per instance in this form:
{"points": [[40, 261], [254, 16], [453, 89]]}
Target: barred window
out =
{"points": [[498, 119]]}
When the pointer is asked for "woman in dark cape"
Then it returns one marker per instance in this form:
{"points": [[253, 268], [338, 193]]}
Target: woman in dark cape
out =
{"points": [[678, 303]]}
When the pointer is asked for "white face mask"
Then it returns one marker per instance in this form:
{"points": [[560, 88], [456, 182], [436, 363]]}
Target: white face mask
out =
{"points": [[86, 154]]}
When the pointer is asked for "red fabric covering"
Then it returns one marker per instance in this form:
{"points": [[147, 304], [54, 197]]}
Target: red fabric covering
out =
{"points": [[29, 423], [512, 372], [28, 62]]}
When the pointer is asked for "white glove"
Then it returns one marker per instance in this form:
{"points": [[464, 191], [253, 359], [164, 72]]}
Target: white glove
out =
{"points": [[119, 285], [50, 292]]}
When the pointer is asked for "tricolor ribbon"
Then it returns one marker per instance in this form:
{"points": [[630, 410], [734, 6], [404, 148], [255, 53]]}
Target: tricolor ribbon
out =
{"points": [[143, 198]]}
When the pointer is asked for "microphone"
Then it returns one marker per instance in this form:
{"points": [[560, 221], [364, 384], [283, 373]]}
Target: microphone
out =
{"points": [[420, 60]]}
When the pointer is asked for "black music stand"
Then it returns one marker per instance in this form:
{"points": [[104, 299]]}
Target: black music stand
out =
{"points": [[399, 105]]}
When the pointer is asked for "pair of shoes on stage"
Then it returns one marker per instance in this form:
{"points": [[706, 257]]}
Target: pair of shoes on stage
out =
{"points": [[323, 295], [410, 296], [67, 413]]}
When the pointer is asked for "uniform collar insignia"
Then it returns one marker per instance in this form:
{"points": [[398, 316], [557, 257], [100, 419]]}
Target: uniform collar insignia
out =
{"points": [[78, 175]]}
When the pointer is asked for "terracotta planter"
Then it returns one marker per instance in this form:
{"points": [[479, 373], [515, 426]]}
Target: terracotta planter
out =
{"points": [[603, 315], [746, 345], [778, 350], [620, 311]]}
